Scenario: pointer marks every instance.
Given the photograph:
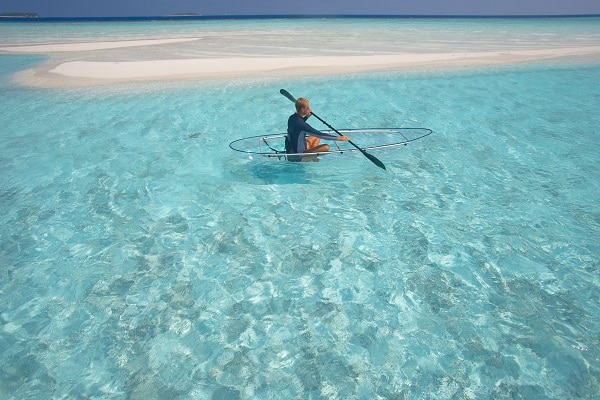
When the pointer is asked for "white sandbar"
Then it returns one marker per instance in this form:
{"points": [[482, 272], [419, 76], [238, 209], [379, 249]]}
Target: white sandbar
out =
{"points": [[88, 46], [84, 73]]}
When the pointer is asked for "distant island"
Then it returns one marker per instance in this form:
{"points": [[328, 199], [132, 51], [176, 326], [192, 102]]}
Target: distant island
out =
{"points": [[184, 15], [19, 15]]}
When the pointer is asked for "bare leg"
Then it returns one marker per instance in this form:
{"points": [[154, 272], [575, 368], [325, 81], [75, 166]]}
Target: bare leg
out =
{"points": [[318, 149], [311, 142]]}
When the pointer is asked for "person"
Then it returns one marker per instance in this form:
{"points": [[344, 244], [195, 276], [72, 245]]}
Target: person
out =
{"points": [[303, 138]]}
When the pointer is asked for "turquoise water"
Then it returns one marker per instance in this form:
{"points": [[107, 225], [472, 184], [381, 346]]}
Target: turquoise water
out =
{"points": [[142, 258], [314, 36]]}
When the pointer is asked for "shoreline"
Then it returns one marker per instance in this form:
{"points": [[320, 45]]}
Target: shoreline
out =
{"points": [[70, 74]]}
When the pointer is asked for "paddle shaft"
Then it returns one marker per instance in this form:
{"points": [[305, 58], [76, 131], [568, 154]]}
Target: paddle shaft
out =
{"points": [[373, 159]]}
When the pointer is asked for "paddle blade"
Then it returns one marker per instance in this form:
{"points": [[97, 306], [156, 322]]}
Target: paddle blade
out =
{"points": [[374, 160], [288, 95]]}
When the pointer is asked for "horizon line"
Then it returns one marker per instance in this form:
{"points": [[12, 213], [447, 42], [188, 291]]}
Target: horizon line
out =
{"points": [[290, 16]]}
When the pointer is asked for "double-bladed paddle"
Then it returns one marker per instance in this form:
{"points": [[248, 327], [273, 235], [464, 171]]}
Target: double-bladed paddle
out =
{"points": [[373, 159]]}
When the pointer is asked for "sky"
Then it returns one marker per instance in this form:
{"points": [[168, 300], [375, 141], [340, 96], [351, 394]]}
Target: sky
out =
{"points": [[122, 8]]}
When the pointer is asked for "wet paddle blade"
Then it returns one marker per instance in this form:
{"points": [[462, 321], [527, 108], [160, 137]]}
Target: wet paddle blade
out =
{"points": [[288, 95], [374, 160]]}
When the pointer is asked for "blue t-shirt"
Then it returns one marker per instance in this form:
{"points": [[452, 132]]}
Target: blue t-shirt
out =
{"points": [[298, 129]]}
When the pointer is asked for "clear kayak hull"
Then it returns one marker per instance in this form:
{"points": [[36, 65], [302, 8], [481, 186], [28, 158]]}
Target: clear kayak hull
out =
{"points": [[273, 146]]}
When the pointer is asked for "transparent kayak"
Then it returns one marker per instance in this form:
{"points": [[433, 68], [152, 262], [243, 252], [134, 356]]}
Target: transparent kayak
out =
{"points": [[367, 139]]}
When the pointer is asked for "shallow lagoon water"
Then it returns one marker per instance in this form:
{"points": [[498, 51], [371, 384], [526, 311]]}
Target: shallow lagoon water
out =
{"points": [[142, 258]]}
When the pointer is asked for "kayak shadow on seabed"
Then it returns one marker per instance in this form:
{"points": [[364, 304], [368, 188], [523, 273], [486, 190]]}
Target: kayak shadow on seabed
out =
{"points": [[271, 172]]}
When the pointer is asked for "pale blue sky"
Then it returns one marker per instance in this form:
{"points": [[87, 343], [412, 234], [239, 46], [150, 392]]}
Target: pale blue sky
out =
{"points": [[117, 8]]}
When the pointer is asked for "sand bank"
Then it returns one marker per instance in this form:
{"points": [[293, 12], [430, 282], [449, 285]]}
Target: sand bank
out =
{"points": [[82, 73], [88, 46]]}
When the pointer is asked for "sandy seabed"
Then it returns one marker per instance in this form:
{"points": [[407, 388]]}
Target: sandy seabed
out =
{"points": [[60, 71]]}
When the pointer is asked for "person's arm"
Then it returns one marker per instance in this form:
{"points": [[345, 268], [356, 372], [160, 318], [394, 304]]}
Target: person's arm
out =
{"points": [[309, 130]]}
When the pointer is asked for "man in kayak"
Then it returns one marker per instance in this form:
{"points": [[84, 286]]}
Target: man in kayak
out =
{"points": [[303, 138]]}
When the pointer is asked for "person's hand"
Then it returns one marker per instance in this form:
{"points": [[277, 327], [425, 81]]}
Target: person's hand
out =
{"points": [[343, 138]]}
